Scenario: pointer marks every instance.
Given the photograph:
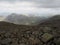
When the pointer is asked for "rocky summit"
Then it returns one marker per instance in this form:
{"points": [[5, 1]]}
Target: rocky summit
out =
{"points": [[46, 33]]}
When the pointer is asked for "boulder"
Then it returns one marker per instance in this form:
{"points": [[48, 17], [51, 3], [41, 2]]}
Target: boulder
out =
{"points": [[46, 37]]}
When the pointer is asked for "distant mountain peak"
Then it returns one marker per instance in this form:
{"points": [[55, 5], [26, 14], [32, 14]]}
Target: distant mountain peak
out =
{"points": [[24, 19]]}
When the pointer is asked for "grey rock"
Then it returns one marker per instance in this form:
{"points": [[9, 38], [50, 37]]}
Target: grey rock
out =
{"points": [[46, 37], [6, 41]]}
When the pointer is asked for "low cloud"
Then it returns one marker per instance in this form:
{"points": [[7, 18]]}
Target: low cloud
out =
{"points": [[41, 7]]}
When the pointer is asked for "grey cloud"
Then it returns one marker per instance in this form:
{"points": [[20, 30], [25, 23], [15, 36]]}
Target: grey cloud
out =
{"points": [[41, 3], [46, 3]]}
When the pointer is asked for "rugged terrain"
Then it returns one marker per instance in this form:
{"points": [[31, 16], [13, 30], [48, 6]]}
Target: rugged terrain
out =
{"points": [[46, 33]]}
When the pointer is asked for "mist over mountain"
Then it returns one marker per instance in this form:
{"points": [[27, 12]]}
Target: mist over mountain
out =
{"points": [[22, 19]]}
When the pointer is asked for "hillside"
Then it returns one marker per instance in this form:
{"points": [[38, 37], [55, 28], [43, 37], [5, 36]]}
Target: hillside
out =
{"points": [[52, 25], [47, 33], [53, 21]]}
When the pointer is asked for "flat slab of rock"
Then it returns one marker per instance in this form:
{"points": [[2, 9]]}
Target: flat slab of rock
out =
{"points": [[46, 37]]}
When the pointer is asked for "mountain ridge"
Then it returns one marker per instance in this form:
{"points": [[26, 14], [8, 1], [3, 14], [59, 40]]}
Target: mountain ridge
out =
{"points": [[24, 20], [13, 34]]}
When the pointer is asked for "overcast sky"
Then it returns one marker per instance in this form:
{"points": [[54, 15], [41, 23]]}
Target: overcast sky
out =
{"points": [[30, 6]]}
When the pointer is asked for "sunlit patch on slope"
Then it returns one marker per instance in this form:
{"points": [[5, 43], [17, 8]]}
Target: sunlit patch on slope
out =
{"points": [[2, 18]]}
